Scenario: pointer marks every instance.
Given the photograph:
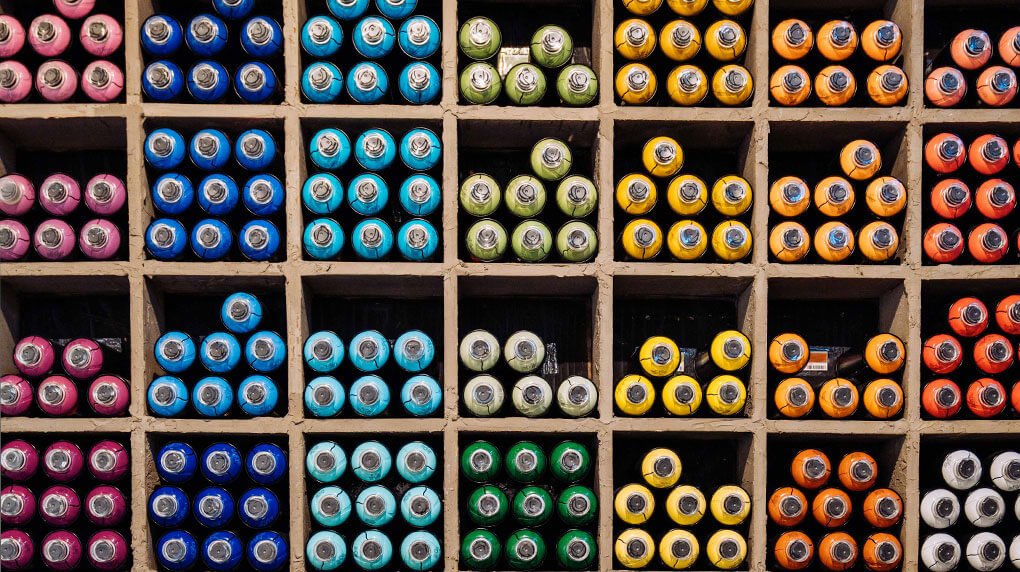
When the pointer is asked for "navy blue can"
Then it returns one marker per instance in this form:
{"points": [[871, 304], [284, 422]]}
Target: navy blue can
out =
{"points": [[258, 508], [177, 550], [208, 81], [266, 464], [321, 37], [172, 194], [209, 149], [176, 462], [420, 83], [213, 507], [218, 194], [222, 551], [263, 195], [367, 83], [259, 240], [165, 149], [322, 82], [166, 239], [163, 81], [262, 38], [267, 551], [255, 82], [419, 37], [206, 35], [211, 239], [221, 463], [161, 35], [168, 506]]}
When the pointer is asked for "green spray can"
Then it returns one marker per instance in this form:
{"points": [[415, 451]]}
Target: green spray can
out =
{"points": [[480, 461], [480, 550], [487, 506], [525, 549], [577, 196], [479, 195], [525, 462], [576, 550], [525, 196], [570, 461], [486, 240], [480, 83], [576, 241], [479, 38], [577, 505], [525, 84], [551, 47], [532, 506], [551, 159], [577, 85], [531, 241]]}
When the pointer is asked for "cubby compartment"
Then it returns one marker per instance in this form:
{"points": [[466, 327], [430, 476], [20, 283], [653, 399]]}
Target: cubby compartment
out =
{"points": [[892, 456], [708, 461], [661, 65], [560, 311], [239, 215], [62, 311], [192, 305], [690, 312], [944, 19], [860, 13], [81, 148], [513, 492], [390, 306], [837, 319], [157, 444], [981, 210], [429, 446], [709, 151], [397, 217], [811, 151], [517, 23], [502, 149]]}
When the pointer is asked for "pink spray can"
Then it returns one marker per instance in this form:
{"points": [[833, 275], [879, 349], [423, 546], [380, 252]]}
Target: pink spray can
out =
{"points": [[15, 81], [17, 194], [17, 505], [102, 81], [107, 550], [56, 81], [12, 36], [99, 239], [108, 461], [14, 240], [15, 395], [54, 239], [109, 396], [34, 356], [105, 506], [57, 396], [63, 461], [59, 506], [74, 9], [16, 550], [60, 550], [49, 35], [18, 461], [105, 194], [82, 358], [101, 35], [59, 194]]}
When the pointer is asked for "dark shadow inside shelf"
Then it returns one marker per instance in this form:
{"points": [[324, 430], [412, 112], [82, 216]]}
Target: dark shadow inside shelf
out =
{"points": [[711, 151], [192, 304], [558, 311], [394, 176], [200, 442], [811, 151], [349, 305], [708, 461], [860, 13], [944, 19], [553, 529], [891, 456], [519, 20], [80, 147], [397, 529], [502, 149]]}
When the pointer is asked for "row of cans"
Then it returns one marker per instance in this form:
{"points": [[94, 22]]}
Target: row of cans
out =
{"points": [[206, 35], [525, 549], [531, 396], [642, 239], [687, 8], [221, 551], [531, 241], [373, 37], [49, 35], [375, 149], [55, 239], [220, 352], [369, 351], [686, 85], [679, 40], [834, 241], [837, 40], [371, 239], [63, 461], [210, 149], [62, 550], [970, 51], [61, 195], [836, 85], [525, 196], [987, 243], [221, 463], [368, 194], [370, 462], [212, 239], [209, 81], [838, 398], [57, 81], [214, 507], [62, 506], [984, 398], [58, 396], [212, 396], [880, 551], [369, 396], [526, 462], [368, 83], [81, 358], [376, 506]]}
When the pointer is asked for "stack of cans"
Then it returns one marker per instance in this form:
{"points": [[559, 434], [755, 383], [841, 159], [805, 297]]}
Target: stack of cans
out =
{"points": [[187, 55], [65, 66], [374, 37], [60, 196], [207, 180], [390, 507], [58, 395], [970, 60], [221, 355], [235, 512], [373, 214], [45, 494]]}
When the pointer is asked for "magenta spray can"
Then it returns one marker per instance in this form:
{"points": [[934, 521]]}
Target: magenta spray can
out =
{"points": [[14, 240], [57, 396], [102, 81], [49, 35], [74, 9], [101, 35], [17, 505], [82, 358], [63, 461], [56, 81], [99, 240], [15, 81], [60, 550], [16, 195], [105, 194], [15, 395], [59, 194], [105, 506], [108, 461], [54, 239], [16, 550], [107, 550], [109, 396], [18, 461], [12, 36], [34, 356], [59, 506]]}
